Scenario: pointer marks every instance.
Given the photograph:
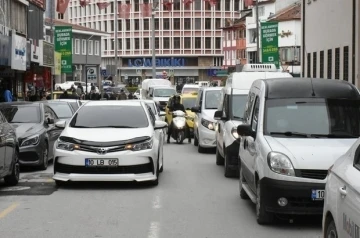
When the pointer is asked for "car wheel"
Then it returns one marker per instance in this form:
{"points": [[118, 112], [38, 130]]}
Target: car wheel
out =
{"points": [[228, 173], [162, 164], [219, 158], [331, 230], [59, 183], [14, 177], [156, 181], [243, 194], [45, 159], [196, 141], [262, 216]]}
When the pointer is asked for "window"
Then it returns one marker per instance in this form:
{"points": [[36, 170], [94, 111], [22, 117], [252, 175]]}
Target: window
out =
{"points": [[176, 42], [117, 116], [218, 23], [314, 64], [62, 110], [166, 43], [146, 24], [346, 63], [112, 26], [77, 46], [321, 64], [208, 23], [329, 64], [157, 43], [137, 43], [119, 25], [90, 47], [198, 23], [197, 5], [255, 116], [176, 23], [146, 43], [225, 108], [21, 114], [83, 47], [261, 11], [198, 42], [157, 24], [119, 44], [166, 24], [187, 24], [208, 42], [97, 47], [218, 42], [137, 24], [337, 63], [137, 6], [227, 5], [128, 44], [60, 16], [212, 99], [187, 42], [308, 65], [128, 26], [151, 114], [177, 4], [236, 6]]}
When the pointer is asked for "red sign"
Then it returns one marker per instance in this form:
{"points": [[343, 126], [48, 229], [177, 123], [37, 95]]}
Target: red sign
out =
{"points": [[39, 3]]}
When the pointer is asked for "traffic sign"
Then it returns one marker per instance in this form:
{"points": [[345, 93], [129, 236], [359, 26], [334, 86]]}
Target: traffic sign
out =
{"points": [[91, 74]]}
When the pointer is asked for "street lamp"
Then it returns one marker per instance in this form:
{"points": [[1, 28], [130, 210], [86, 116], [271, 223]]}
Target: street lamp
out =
{"points": [[86, 62]]}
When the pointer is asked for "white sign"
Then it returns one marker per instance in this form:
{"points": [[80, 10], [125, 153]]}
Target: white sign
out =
{"points": [[138, 71], [171, 72], [18, 53], [35, 53], [91, 74]]}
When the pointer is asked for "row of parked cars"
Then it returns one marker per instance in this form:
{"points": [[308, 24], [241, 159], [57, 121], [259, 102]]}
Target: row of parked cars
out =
{"points": [[293, 143]]}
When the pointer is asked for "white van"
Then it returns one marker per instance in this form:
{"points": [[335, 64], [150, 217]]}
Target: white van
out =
{"points": [[293, 132], [231, 112]]}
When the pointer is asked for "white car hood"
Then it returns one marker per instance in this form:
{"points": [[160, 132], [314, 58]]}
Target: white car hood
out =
{"points": [[208, 114], [106, 135], [316, 154]]}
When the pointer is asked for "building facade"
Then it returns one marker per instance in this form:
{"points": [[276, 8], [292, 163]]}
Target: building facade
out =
{"points": [[330, 43], [188, 39]]}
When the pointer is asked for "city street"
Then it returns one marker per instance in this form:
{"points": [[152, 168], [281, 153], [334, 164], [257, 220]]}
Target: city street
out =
{"points": [[192, 200]]}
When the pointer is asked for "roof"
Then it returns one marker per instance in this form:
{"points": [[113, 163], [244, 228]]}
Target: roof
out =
{"points": [[75, 27], [310, 88], [292, 12]]}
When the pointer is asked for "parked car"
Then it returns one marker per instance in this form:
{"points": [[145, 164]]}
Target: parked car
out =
{"points": [[341, 217], [293, 132], [190, 88], [67, 85], [126, 145], [75, 103], [207, 103], [9, 153], [62, 109], [34, 125]]}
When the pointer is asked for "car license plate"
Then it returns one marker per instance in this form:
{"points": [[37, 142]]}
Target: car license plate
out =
{"points": [[101, 162], [317, 194]]}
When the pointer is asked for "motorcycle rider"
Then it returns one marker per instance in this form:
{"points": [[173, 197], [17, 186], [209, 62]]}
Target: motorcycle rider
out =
{"points": [[176, 105]]}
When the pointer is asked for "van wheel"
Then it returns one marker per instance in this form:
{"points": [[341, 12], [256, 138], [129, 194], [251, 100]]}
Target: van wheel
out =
{"points": [[228, 173], [331, 230], [196, 141], [242, 180], [219, 158], [262, 216]]}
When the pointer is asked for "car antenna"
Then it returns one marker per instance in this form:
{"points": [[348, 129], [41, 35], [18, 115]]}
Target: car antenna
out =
{"points": [[312, 88]]}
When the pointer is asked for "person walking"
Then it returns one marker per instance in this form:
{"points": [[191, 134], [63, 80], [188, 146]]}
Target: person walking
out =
{"points": [[122, 95], [8, 97]]}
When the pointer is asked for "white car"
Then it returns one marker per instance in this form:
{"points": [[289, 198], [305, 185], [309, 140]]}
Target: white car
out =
{"points": [[341, 217], [159, 115], [110, 141], [190, 88], [67, 85]]}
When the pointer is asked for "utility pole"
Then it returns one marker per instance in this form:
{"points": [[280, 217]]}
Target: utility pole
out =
{"points": [[153, 61], [257, 33], [116, 39]]}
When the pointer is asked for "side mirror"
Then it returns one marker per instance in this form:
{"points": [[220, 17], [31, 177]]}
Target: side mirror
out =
{"points": [[245, 130], [50, 121], [159, 125], [162, 113], [195, 109], [218, 115], [60, 124]]}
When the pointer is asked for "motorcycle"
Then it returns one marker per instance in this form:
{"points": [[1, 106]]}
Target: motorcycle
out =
{"points": [[179, 126]]}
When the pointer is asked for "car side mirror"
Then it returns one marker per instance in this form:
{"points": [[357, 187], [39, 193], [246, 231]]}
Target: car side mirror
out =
{"points": [[159, 125], [195, 109], [245, 130], [60, 124], [218, 115]]}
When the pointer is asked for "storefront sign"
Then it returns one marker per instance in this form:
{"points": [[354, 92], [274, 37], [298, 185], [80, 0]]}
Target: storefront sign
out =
{"points": [[270, 43], [165, 62], [47, 55], [63, 44], [91, 74], [57, 63], [18, 52], [5, 50], [35, 53], [39, 3]]}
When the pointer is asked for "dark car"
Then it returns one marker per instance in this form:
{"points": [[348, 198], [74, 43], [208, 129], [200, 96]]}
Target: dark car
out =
{"points": [[35, 129], [9, 151]]}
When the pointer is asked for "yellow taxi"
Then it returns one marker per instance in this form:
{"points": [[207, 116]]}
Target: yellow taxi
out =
{"points": [[57, 94], [189, 101]]}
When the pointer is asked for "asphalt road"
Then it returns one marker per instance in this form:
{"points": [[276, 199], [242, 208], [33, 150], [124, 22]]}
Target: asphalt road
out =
{"points": [[192, 200]]}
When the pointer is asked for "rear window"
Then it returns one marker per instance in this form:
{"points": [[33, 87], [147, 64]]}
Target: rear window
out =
{"points": [[110, 116]]}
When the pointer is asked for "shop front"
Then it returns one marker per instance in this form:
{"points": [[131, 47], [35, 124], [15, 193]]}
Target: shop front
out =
{"points": [[6, 74]]}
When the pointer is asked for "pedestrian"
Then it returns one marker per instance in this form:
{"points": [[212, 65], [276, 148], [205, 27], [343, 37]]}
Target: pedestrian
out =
{"points": [[130, 96], [8, 97], [122, 95]]}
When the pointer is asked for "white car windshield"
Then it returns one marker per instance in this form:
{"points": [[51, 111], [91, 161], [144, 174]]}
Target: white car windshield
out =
{"points": [[238, 106], [308, 117], [110, 117], [212, 99]]}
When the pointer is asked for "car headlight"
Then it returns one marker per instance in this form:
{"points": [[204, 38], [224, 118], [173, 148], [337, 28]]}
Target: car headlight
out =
{"points": [[208, 124], [280, 163], [31, 140], [234, 133], [62, 145], [140, 146]]}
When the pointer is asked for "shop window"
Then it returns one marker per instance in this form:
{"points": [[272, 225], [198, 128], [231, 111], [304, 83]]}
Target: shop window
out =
{"points": [[197, 42], [187, 24], [218, 42], [146, 24], [308, 65], [146, 43], [166, 22], [176, 23], [187, 42], [207, 42], [137, 24], [314, 64], [337, 63], [208, 23], [166, 42], [321, 64], [346, 63], [176, 42], [329, 64], [137, 43]]}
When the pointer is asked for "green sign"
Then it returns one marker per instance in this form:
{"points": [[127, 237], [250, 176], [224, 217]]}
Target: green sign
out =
{"points": [[270, 43], [63, 45]]}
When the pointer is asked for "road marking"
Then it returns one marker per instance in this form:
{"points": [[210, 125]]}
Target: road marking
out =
{"points": [[8, 210], [156, 202], [154, 230]]}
